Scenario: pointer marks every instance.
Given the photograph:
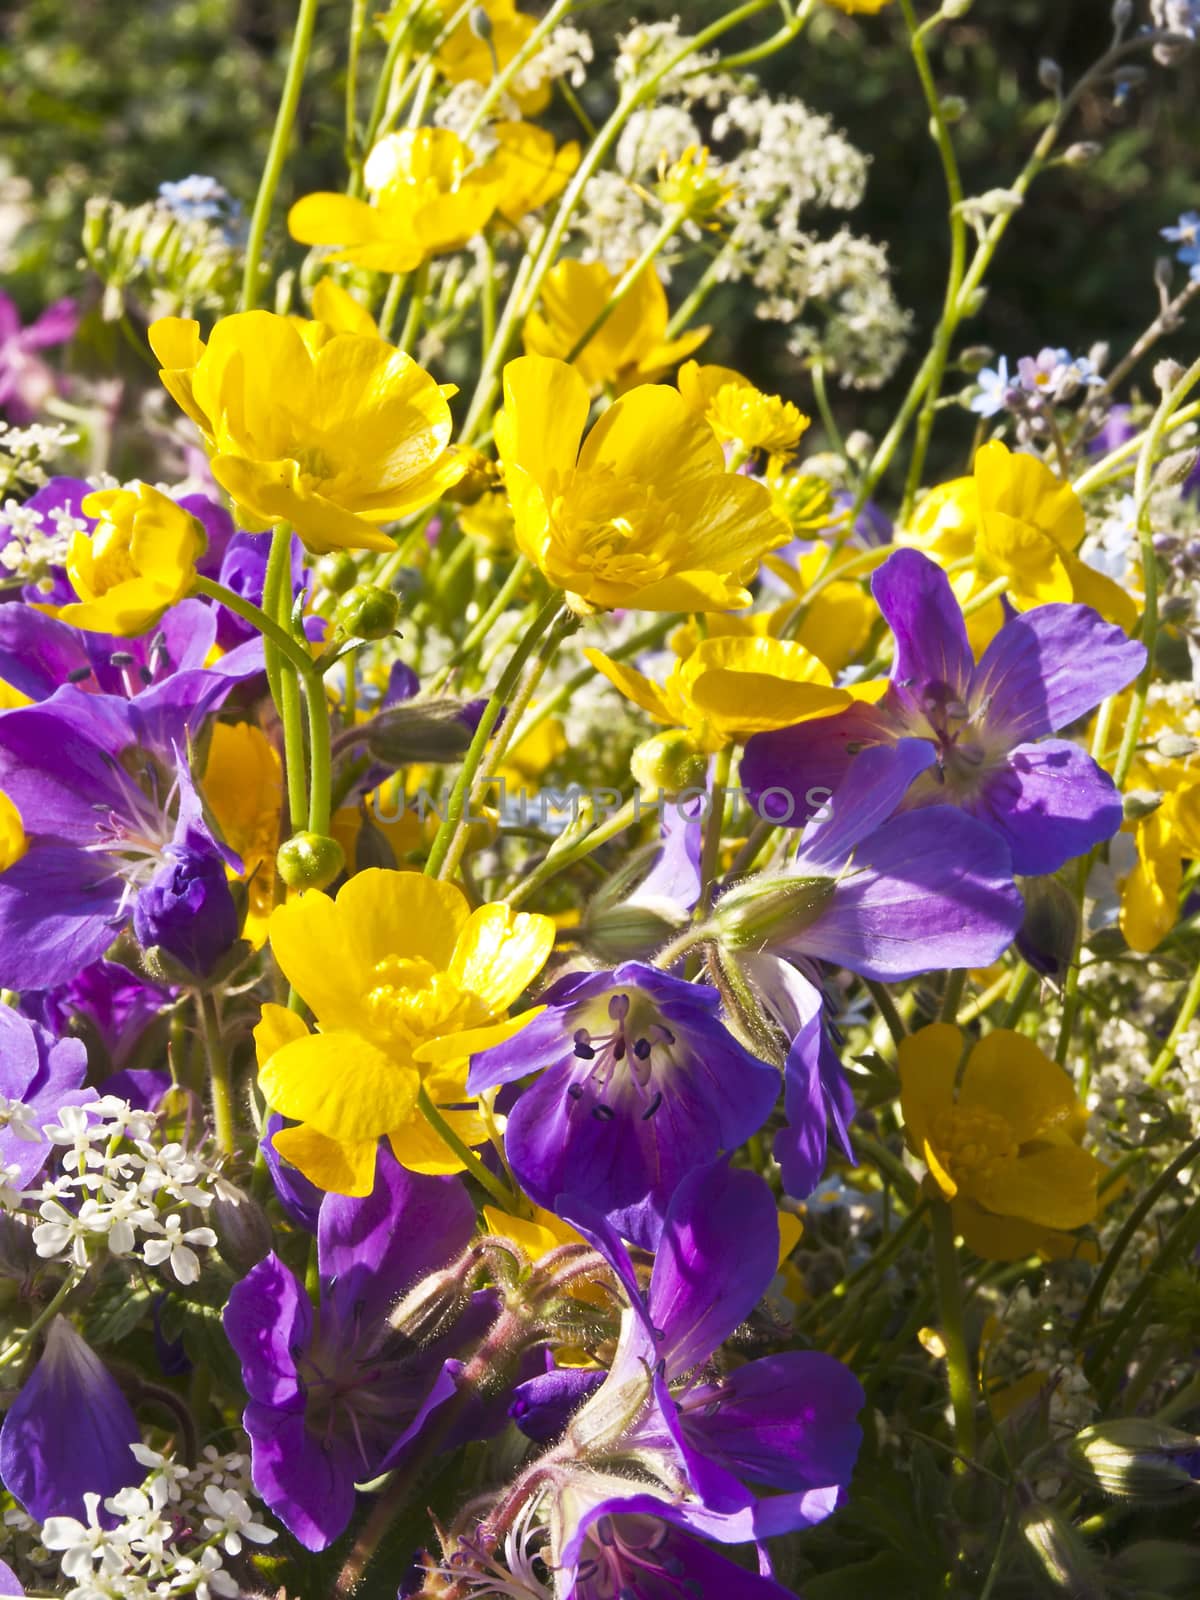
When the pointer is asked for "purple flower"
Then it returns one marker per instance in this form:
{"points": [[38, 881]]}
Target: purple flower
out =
{"points": [[746, 1453], [41, 528], [336, 1398], [38, 1076], [640, 1083], [299, 1197], [68, 1432], [187, 908], [107, 1005], [243, 568], [26, 382], [103, 793], [985, 722], [9, 1583]]}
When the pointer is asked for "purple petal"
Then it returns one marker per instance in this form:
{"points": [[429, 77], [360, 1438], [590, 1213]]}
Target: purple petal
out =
{"points": [[933, 657], [307, 1480], [541, 1407], [68, 1432], [8, 1580], [56, 325], [1050, 803], [58, 760], [38, 653], [1051, 666], [45, 1075], [675, 875], [218, 530], [931, 890], [57, 910], [791, 772], [371, 1249], [718, 1253], [787, 1420], [874, 786], [268, 1321], [299, 1197], [542, 1043]]}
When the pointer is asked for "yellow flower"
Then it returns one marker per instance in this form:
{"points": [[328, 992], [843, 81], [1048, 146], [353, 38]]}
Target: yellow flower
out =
{"points": [[337, 309], [836, 623], [739, 414], [333, 432], [1165, 839], [644, 514], [1004, 1149], [468, 56], [803, 498], [243, 788], [869, 7], [631, 347], [689, 185], [1030, 525], [727, 688], [429, 195], [404, 981], [13, 843], [139, 561]]}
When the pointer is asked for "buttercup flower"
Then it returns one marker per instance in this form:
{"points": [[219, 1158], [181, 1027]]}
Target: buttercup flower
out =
{"points": [[332, 432], [1165, 839], [632, 345], [739, 414], [475, 53], [1004, 1148], [404, 981], [1030, 525], [243, 789], [139, 561], [430, 195], [643, 514], [730, 687]]}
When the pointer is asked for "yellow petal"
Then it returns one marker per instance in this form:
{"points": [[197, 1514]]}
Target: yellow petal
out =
{"points": [[937, 1171], [335, 219], [499, 953], [275, 492], [1006, 1073], [996, 1238], [928, 1064], [536, 1235], [310, 943], [278, 1026], [338, 309], [1092, 588], [545, 410], [392, 913], [417, 1147], [333, 1166], [453, 1047], [1055, 1187], [633, 685], [341, 1084]]}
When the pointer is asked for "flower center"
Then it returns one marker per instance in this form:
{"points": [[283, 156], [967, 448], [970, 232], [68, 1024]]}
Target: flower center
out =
{"points": [[971, 1141], [411, 1001], [618, 1552], [616, 531], [622, 1061], [112, 560]]}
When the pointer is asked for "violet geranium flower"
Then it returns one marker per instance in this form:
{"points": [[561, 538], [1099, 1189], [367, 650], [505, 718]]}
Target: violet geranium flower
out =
{"points": [[641, 1083], [104, 793], [986, 722], [39, 1075], [26, 382], [337, 1397]]}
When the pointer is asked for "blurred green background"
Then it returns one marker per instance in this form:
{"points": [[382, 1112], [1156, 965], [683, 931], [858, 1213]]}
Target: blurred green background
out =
{"points": [[113, 99]]}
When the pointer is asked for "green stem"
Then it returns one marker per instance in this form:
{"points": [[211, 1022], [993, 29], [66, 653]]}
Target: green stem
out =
{"points": [[710, 849], [416, 309], [887, 1010], [953, 995], [828, 420], [391, 303], [671, 225], [320, 770], [499, 605], [219, 1078], [500, 1193], [456, 805], [528, 50], [27, 1335], [1123, 1334], [280, 639], [306, 17], [1025, 991], [1187, 1010], [950, 1300], [705, 284], [558, 861], [283, 681]]}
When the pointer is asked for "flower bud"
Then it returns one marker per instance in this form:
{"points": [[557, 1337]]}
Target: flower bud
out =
{"points": [[337, 571], [420, 730], [368, 612], [668, 763], [1139, 803], [243, 1232], [1050, 75], [309, 860], [975, 357], [1081, 154], [956, 8], [1051, 927], [626, 932], [1136, 1458], [1176, 746], [954, 108], [766, 911], [1065, 1558], [187, 910], [1167, 374]]}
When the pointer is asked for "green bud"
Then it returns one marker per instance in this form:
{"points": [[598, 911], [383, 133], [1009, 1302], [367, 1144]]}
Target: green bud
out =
{"points": [[1176, 746], [766, 911], [668, 763], [420, 730], [1050, 928], [337, 571], [627, 932], [1139, 803], [309, 860], [954, 107], [975, 357], [243, 1232], [1136, 1458], [368, 612], [1065, 1558]]}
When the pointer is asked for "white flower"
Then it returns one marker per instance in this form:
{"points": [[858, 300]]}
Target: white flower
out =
{"points": [[173, 1247], [59, 1233], [233, 1520], [19, 1120], [82, 1543]]}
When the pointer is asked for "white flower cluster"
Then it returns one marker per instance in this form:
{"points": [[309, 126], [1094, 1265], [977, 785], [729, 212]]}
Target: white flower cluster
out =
{"points": [[25, 453], [173, 1535], [34, 547], [121, 1193], [643, 53], [863, 330], [564, 57]]}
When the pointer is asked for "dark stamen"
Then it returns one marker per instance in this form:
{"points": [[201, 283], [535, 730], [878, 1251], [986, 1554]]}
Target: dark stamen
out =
{"points": [[652, 1107], [641, 1049], [79, 674], [618, 1007], [603, 1113], [121, 658]]}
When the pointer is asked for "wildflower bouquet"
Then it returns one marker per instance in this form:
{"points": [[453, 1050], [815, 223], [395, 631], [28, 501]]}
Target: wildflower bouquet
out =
{"points": [[600, 980]]}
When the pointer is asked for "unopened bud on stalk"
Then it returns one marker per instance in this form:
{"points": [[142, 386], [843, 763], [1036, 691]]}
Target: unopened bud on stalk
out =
{"points": [[1139, 803], [975, 357], [668, 763], [1177, 746], [1051, 927], [1136, 1458], [766, 911], [1064, 1557], [627, 932], [1050, 75], [368, 612], [956, 8], [1081, 154], [954, 107], [243, 1232], [337, 571], [309, 860]]}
